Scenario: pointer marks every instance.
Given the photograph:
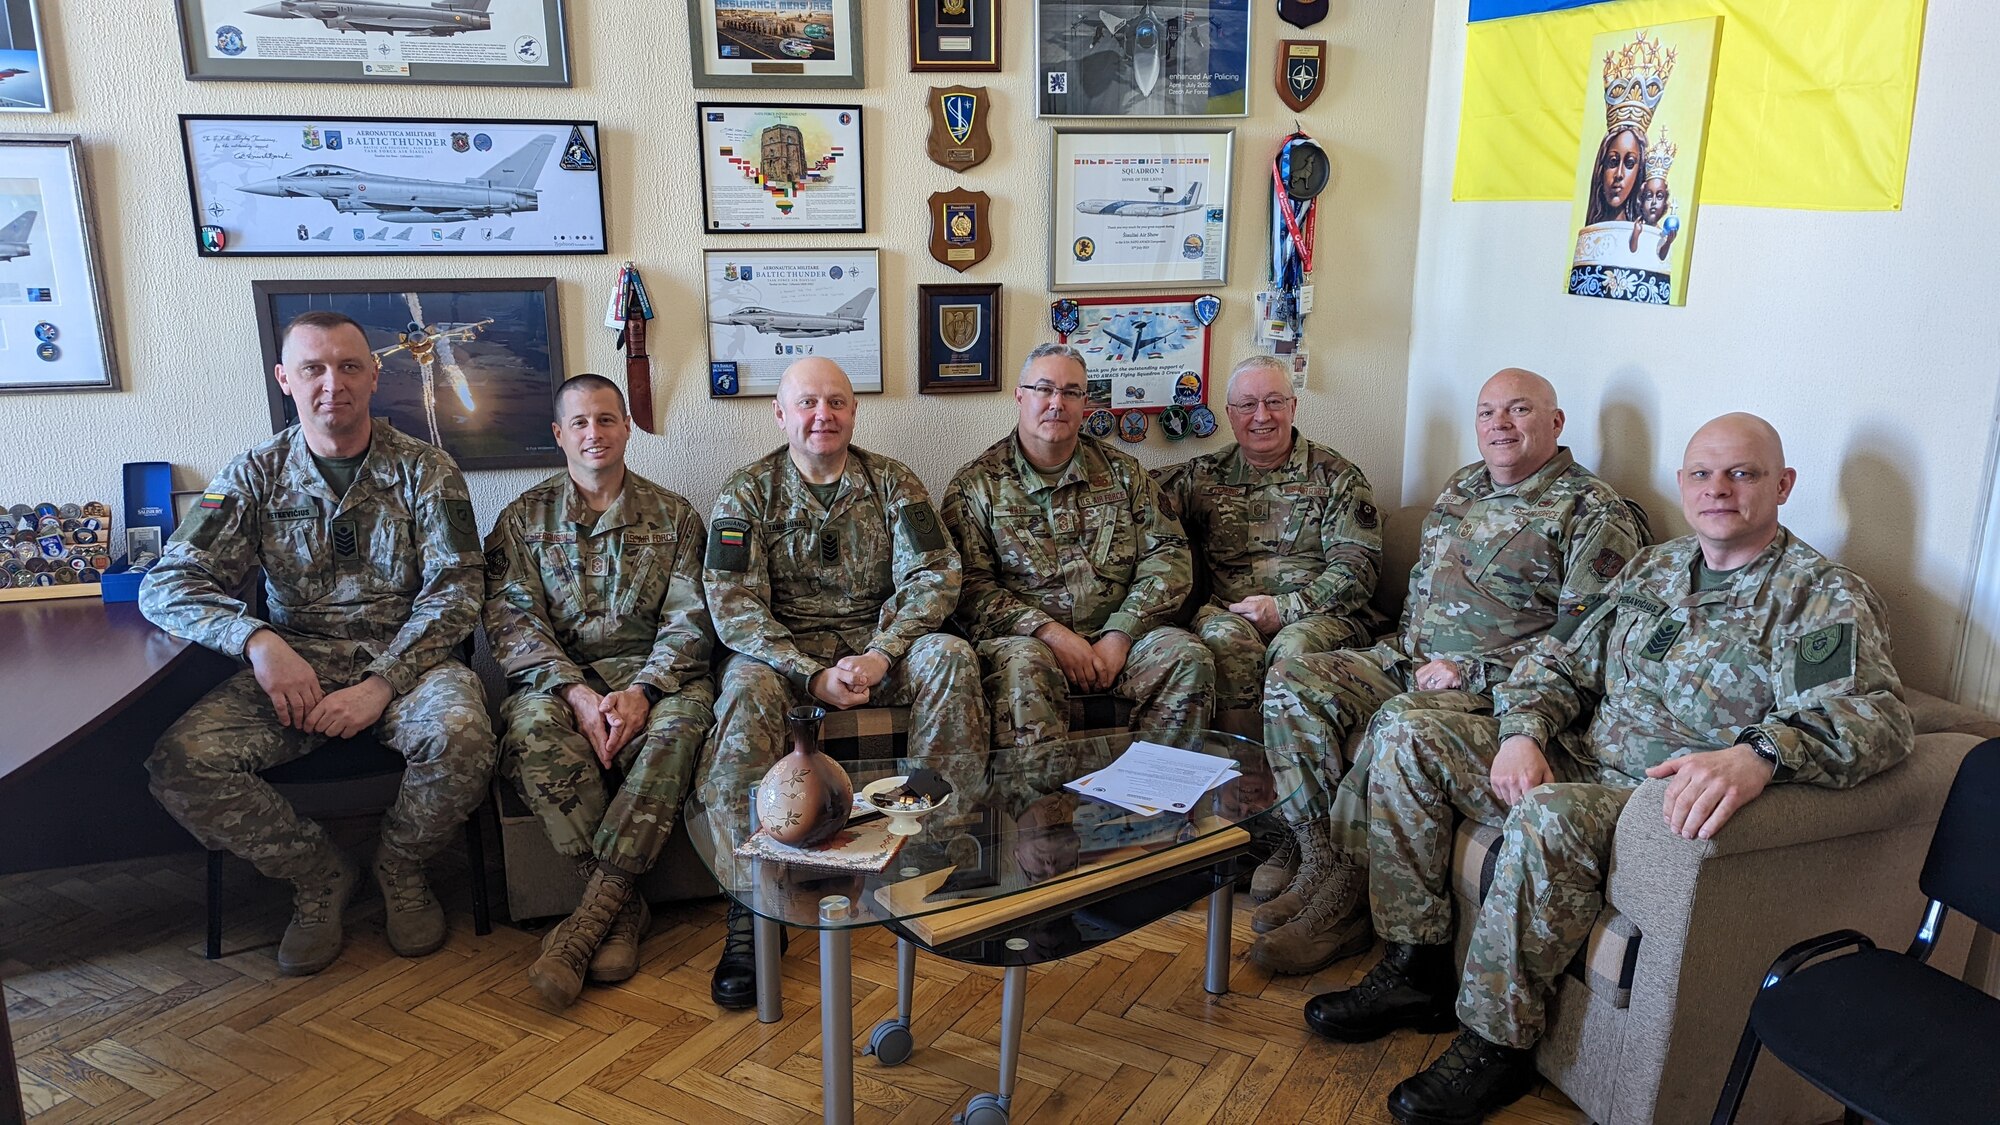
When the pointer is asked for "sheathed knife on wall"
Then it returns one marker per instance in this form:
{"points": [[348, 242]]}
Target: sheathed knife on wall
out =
{"points": [[632, 338]]}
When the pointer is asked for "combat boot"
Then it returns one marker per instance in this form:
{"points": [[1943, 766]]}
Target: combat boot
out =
{"points": [[411, 915], [1315, 844], [312, 939], [1470, 1080], [617, 956], [559, 972], [734, 984], [1275, 873], [1333, 925], [1412, 986]]}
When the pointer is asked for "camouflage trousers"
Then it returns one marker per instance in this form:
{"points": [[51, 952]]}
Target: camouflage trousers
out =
{"points": [[1242, 655], [1168, 674], [204, 770], [551, 764], [1548, 881], [938, 680]]}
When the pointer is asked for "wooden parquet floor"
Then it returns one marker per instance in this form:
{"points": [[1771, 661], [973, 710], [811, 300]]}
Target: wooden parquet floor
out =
{"points": [[118, 1018]]}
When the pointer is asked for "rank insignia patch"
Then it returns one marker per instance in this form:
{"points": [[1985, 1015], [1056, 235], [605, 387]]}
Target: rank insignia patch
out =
{"points": [[346, 539], [1662, 640]]}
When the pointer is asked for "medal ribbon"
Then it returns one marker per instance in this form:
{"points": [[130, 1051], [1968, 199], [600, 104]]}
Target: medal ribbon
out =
{"points": [[1301, 221]]}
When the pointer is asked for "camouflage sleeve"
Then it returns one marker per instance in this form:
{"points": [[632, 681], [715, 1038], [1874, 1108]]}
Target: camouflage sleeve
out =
{"points": [[517, 614], [1176, 485], [1429, 539], [926, 570], [446, 607], [1601, 537], [1841, 718], [1351, 543], [190, 591], [986, 608], [1561, 677], [685, 640], [1165, 568], [736, 575]]}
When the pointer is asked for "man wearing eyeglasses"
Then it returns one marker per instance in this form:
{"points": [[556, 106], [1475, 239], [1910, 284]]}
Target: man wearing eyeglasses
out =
{"points": [[1073, 566], [828, 576], [1515, 543]]}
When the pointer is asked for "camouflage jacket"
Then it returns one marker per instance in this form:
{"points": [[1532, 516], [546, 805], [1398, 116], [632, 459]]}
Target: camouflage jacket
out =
{"points": [[1796, 647], [620, 595], [383, 581], [798, 585], [1097, 550], [1306, 532], [1496, 565]]}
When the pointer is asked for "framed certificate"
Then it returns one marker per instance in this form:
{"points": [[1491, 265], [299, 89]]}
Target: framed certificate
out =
{"points": [[954, 35], [768, 309], [768, 44], [1135, 209], [791, 168]]}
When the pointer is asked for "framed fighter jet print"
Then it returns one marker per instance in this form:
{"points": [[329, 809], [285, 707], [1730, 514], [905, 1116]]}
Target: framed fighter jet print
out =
{"points": [[55, 329], [1134, 209], [1142, 58], [312, 186], [24, 71], [768, 309], [467, 42]]}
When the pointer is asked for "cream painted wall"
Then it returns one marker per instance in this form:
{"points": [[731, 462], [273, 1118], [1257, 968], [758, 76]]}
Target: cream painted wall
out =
{"points": [[188, 346], [1867, 339]]}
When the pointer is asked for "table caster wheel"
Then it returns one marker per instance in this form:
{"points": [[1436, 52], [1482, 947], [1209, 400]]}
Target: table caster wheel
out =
{"points": [[890, 1043], [983, 1109]]}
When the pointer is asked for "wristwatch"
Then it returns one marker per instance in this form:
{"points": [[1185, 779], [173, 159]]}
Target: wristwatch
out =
{"points": [[1761, 744], [653, 695]]}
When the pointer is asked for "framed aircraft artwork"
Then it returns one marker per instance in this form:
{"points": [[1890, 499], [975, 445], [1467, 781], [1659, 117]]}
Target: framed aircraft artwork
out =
{"points": [[469, 364], [768, 309], [312, 186], [467, 42], [795, 169], [24, 74], [55, 331], [1145, 354], [1142, 58], [1135, 209], [775, 44]]}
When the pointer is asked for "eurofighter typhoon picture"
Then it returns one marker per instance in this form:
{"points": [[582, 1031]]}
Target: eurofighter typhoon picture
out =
{"points": [[502, 41], [307, 186]]}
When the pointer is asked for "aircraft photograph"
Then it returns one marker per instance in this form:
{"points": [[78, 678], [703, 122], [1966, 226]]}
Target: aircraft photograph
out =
{"points": [[439, 18], [1138, 341], [14, 237], [430, 346], [1171, 58], [849, 317], [1155, 208], [504, 189]]}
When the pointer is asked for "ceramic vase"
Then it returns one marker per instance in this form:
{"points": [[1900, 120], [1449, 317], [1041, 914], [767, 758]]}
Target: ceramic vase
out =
{"points": [[805, 799]]}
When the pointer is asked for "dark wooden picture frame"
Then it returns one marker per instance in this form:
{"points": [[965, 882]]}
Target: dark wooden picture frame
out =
{"points": [[935, 356], [928, 34]]}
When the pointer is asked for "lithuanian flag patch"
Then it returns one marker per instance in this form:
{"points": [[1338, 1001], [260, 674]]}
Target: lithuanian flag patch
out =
{"points": [[213, 501]]}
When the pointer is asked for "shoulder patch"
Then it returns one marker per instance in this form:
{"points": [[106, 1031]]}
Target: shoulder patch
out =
{"points": [[920, 526], [1365, 516], [496, 561], [1607, 564], [1572, 615], [461, 528], [1824, 655], [207, 519], [729, 545]]}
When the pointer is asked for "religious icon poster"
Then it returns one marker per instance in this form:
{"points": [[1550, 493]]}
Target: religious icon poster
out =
{"points": [[1638, 179]]}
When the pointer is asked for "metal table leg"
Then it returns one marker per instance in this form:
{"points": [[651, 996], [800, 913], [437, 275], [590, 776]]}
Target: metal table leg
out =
{"points": [[836, 1011], [770, 1000], [994, 1109], [906, 978], [891, 1042], [1220, 905]]}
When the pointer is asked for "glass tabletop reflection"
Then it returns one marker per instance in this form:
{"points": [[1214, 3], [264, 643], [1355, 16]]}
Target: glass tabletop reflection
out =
{"points": [[1011, 830]]}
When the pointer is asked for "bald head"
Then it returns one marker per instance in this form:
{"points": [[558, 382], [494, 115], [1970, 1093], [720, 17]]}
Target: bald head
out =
{"points": [[1520, 426], [814, 370], [1733, 479], [815, 408]]}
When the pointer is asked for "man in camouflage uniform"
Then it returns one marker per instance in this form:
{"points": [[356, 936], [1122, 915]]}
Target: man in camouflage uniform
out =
{"points": [[1728, 660], [1073, 566], [594, 608], [371, 578], [1512, 539], [1288, 535], [829, 576]]}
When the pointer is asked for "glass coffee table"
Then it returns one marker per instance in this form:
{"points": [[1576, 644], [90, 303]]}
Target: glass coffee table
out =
{"points": [[1011, 871]]}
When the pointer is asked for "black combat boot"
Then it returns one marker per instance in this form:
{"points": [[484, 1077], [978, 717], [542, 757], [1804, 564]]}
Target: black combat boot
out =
{"points": [[1471, 1079], [734, 985], [1412, 986]]}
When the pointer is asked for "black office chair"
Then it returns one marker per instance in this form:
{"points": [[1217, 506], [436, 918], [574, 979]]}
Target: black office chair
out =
{"points": [[1884, 1034], [343, 779]]}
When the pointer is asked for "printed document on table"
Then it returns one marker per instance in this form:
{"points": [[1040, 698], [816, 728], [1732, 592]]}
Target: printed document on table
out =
{"points": [[1150, 777]]}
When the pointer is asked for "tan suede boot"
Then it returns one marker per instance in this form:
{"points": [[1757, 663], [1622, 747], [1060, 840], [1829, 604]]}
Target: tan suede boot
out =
{"points": [[1315, 846], [1333, 924], [617, 956], [412, 917], [1275, 874], [558, 973], [312, 939]]}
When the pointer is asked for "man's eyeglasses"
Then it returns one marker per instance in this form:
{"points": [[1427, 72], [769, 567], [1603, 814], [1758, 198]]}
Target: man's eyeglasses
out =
{"points": [[1050, 390], [1271, 404]]}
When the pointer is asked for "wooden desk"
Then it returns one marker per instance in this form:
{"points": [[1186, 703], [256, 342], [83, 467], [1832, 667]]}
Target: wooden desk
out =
{"points": [[86, 688]]}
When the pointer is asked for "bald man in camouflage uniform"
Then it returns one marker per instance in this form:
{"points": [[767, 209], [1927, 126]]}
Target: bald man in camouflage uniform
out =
{"points": [[372, 574], [829, 576], [594, 608], [1512, 539], [1729, 660], [1291, 547], [1073, 567]]}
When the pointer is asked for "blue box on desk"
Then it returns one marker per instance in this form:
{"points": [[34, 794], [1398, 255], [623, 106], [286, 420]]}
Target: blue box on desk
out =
{"points": [[121, 583]]}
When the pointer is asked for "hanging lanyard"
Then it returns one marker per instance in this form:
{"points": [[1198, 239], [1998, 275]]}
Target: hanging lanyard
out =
{"points": [[1302, 220]]}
